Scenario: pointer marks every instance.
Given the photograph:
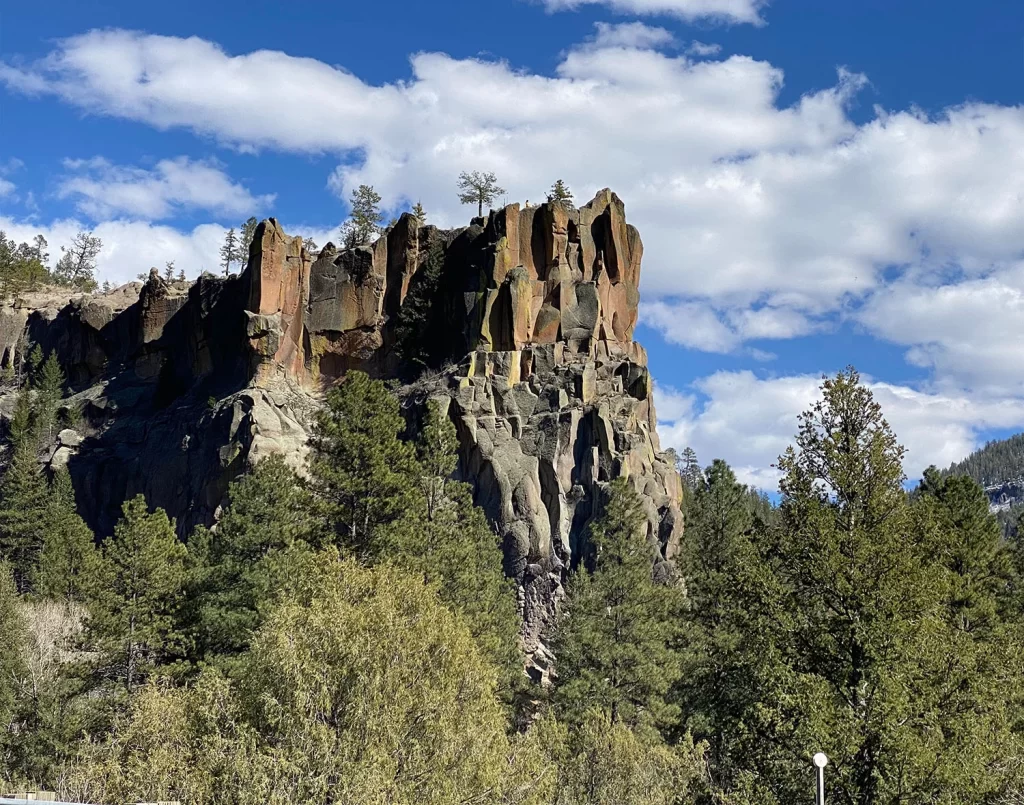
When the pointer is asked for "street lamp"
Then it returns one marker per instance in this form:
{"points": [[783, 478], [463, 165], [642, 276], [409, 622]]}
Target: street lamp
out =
{"points": [[820, 762]]}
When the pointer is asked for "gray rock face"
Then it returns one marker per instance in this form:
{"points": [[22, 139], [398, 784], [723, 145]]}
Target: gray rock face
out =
{"points": [[524, 321]]}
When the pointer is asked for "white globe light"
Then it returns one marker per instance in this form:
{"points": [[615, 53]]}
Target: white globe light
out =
{"points": [[820, 760]]}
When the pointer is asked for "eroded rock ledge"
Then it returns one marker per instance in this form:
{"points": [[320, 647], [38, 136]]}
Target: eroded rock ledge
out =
{"points": [[522, 325]]}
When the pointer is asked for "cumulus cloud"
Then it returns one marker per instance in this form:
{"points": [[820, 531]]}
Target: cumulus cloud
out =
{"points": [[103, 190], [760, 221], [6, 187], [749, 421], [703, 49], [630, 35], [729, 11]]}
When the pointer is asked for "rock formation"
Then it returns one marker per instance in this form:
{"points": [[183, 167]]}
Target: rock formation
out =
{"points": [[519, 325]]}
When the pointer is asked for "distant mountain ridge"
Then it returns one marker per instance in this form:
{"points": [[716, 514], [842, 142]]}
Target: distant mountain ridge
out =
{"points": [[999, 468]]}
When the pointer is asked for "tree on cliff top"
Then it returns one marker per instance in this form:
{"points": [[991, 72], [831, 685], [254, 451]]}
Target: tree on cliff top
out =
{"points": [[229, 251], [77, 265], [364, 221], [478, 188], [560, 193], [245, 236]]}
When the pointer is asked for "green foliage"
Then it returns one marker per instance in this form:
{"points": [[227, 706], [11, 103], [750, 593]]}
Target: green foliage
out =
{"points": [[229, 251], [361, 688], [236, 566], [617, 646], [447, 541], [363, 474], [22, 266], [418, 342], [560, 193], [69, 562], [364, 218], [134, 606], [420, 214], [850, 630], [479, 188], [13, 637], [48, 381], [76, 267], [995, 463], [602, 760], [245, 238], [23, 508]]}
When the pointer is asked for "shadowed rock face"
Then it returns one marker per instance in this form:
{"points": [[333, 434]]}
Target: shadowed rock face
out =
{"points": [[521, 325]]}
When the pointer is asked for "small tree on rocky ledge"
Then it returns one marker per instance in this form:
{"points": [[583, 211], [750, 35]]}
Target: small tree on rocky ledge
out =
{"points": [[229, 251], [560, 193], [478, 188], [364, 221], [77, 265]]}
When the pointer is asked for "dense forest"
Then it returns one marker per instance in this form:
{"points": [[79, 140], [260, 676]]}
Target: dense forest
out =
{"points": [[346, 634], [995, 463]]}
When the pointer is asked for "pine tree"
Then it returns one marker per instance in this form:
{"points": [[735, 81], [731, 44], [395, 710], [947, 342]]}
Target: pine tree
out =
{"points": [[69, 563], [478, 188], [364, 219], [23, 504], [246, 234], [560, 193], [268, 514], [617, 646], [420, 214], [76, 267], [418, 343], [133, 610], [363, 474], [229, 251], [13, 638], [49, 385], [447, 540], [169, 271], [855, 640]]}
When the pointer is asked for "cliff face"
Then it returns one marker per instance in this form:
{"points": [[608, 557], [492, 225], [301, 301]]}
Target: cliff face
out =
{"points": [[519, 325]]}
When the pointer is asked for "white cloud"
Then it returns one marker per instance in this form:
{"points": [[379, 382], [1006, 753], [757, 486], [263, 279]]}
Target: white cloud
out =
{"points": [[749, 421], [103, 190], [630, 35], [759, 221], [703, 49], [700, 326], [6, 187], [130, 248], [730, 11], [967, 330]]}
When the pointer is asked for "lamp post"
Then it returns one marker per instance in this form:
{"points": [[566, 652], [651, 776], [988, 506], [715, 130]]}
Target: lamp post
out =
{"points": [[820, 762]]}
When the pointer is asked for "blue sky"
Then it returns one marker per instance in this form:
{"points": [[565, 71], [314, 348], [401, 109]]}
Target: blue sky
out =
{"points": [[817, 184]]}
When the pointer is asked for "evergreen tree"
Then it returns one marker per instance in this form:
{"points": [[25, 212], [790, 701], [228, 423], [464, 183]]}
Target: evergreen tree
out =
{"points": [[133, 609], [617, 646], [76, 267], [49, 385], [69, 563], [22, 266], [311, 248], [478, 188], [181, 275], [560, 193], [229, 251], [416, 344], [447, 540], [852, 642], [23, 505], [245, 237], [169, 271], [13, 637], [420, 214], [268, 514], [365, 217], [363, 474]]}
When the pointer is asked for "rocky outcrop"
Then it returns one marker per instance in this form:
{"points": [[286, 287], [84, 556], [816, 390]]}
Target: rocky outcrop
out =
{"points": [[521, 326]]}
